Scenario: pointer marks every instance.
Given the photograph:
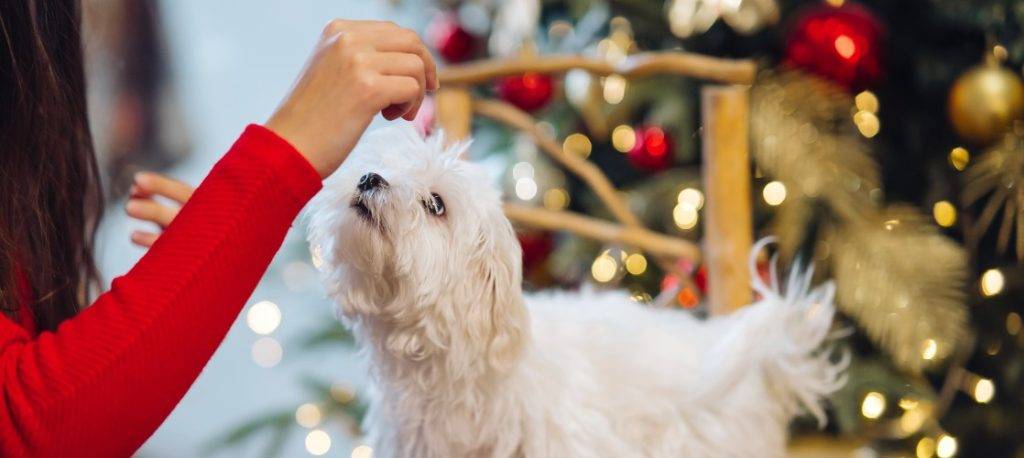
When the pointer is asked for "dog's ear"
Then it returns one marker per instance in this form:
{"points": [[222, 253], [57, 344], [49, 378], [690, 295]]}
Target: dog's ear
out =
{"points": [[498, 316]]}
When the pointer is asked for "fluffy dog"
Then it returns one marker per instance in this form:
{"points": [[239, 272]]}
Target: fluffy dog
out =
{"points": [[426, 270]]}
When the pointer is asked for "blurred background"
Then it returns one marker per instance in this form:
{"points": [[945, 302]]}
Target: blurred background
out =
{"points": [[887, 144]]}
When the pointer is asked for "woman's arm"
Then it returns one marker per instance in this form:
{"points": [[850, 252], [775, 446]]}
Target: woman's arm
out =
{"points": [[104, 381]]}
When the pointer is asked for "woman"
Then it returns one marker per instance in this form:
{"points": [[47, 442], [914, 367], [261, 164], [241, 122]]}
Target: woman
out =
{"points": [[98, 380]]}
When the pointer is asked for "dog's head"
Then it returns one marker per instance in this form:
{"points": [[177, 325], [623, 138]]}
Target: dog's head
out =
{"points": [[416, 246]]}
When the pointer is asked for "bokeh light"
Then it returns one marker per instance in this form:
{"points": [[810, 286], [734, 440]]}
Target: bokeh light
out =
{"points": [[267, 352], [992, 282], [308, 415], [318, 442], [774, 193], [623, 138], [946, 446], [636, 264], [944, 213], [685, 215], [984, 390], [577, 144], [614, 89], [873, 405], [362, 451], [604, 268], [691, 196], [556, 199], [263, 317], [959, 157], [526, 188]]}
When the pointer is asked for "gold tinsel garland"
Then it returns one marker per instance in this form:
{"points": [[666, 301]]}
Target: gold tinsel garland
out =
{"points": [[999, 174], [896, 275]]}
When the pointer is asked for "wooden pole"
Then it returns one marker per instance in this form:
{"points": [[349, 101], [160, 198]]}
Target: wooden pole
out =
{"points": [[454, 112], [728, 230]]}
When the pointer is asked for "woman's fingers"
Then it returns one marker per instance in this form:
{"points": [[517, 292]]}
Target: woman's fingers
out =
{"points": [[403, 64], [150, 184], [404, 90], [406, 41], [151, 210], [144, 239]]}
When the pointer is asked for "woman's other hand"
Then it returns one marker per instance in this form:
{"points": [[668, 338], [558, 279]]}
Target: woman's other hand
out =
{"points": [[143, 205], [358, 69]]}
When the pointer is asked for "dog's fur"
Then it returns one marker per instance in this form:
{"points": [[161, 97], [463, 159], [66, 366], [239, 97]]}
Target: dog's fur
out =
{"points": [[465, 366]]}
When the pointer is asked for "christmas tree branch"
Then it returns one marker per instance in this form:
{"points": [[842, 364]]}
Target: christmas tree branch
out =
{"points": [[651, 242], [635, 66], [587, 171]]}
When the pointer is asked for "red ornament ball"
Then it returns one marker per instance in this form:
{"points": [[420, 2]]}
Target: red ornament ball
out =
{"points": [[842, 44], [529, 91], [700, 278], [452, 41], [652, 150], [536, 247]]}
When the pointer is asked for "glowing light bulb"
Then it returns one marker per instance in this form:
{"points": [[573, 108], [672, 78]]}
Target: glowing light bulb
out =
{"points": [[526, 188], [929, 348], [691, 196], [614, 89], [577, 144], [946, 446], [984, 391], [1013, 323], [944, 213], [362, 451], [636, 264], [774, 193], [866, 101], [685, 215], [604, 268], [925, 447], [556, 199], [992, 282], [522, 170], [318, 442], [308, 415], [873, 405], [623, 138], [959, 157], [267, 352], [845, 46], [263, 317]]}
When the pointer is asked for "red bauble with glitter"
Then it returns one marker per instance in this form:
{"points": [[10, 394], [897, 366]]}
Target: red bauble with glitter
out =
{"points": [[652, 150], [529, 91], [536, 245], [842, 44], [452, 41]]}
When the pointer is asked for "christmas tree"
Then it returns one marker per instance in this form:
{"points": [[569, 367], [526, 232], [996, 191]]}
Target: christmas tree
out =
{"points": [[887, 147]]}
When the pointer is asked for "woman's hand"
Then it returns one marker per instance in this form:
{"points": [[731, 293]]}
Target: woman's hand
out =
{"points": [[358, 69], [142, 203]]}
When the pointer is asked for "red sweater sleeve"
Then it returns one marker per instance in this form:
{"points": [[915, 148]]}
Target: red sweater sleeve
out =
{"points": [[105, 380]]}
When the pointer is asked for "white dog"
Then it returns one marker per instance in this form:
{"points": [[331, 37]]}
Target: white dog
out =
{"points": [[427, 270]]}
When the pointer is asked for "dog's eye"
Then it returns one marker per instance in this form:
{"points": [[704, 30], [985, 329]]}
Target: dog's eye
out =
{"points": [[435, 205]]}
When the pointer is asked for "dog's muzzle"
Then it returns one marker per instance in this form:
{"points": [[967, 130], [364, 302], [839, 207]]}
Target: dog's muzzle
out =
{"points": [[367, 184], [371, 181]]}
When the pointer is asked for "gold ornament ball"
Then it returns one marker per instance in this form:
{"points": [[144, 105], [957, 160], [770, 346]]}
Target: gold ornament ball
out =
{"points": [[984, 102]]}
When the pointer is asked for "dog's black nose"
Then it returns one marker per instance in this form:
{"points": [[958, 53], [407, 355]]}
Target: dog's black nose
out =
{"points": [[371, 181]]}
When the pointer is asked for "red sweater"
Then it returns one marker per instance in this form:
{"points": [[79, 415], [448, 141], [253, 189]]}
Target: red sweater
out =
{"points": [[105, 380]]}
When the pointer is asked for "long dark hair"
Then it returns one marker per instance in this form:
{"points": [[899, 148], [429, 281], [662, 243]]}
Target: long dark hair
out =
{"points": [[50, 199]]}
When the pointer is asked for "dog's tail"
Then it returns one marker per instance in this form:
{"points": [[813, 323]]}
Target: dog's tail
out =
{"points": [[785, 335]]}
